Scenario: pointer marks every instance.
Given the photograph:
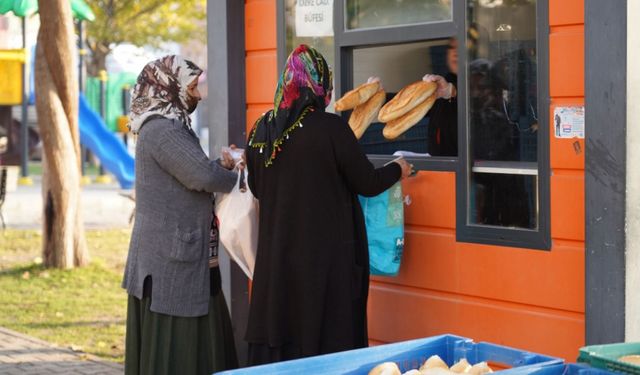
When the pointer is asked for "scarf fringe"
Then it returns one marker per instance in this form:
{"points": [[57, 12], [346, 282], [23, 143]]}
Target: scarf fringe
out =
{"points": [[279, 141]]}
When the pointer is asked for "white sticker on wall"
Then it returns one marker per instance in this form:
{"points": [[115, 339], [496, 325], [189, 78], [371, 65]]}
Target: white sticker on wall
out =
{"points": [[568, 122], [314, 18]]}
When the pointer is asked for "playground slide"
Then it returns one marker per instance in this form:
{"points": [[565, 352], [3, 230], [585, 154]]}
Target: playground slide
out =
{"points": [[105, 145]]}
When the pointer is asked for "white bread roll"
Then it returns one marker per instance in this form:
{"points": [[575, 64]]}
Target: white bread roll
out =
{"points": [[407, 99], [437, 371], [480, 369], [394, 128], [386, 368], [462, 366], [357, 96], [434, 362], [364, 114]]}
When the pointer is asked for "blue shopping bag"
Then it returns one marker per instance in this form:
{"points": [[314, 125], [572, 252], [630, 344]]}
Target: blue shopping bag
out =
{"points": [[384, 218]]}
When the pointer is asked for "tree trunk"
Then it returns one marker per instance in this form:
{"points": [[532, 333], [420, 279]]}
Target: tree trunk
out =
{"points": [[57, 106], [98, 60]]}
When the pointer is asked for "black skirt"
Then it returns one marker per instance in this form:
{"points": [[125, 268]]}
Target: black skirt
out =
{"points": [[164, 344]]}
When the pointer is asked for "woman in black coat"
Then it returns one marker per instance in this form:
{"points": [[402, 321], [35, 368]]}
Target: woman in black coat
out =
{"points": [[306, 168]]}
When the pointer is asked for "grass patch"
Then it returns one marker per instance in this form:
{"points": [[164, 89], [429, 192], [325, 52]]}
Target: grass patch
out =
{"points": [[35, 169], [83, 308]]}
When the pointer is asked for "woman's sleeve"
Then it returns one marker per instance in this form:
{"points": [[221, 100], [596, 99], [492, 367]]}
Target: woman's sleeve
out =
{"points": [[176, 153], [251, 171], [360, 175]]}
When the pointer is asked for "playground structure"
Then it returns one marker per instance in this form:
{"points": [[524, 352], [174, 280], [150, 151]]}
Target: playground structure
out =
{"points": [[95, 135]]}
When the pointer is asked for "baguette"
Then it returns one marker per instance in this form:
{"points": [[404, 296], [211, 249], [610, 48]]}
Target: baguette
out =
{"points": [[406, 100], [395, 127], [365, 113], [357, 96]]}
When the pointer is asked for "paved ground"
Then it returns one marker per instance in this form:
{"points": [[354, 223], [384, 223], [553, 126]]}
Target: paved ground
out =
{"points": [[104, 206], [24, 355]]}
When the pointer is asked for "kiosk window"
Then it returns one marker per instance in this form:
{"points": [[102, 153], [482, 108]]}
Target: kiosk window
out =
{"points": [[416, 59], [379, 13], [502, 110]]}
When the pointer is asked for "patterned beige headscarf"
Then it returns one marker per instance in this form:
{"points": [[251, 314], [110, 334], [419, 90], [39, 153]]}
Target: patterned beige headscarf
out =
{"points": [[161, 89]]}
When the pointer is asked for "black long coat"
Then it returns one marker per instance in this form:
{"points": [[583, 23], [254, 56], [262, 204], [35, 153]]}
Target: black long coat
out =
{"points": [[311, 278]]}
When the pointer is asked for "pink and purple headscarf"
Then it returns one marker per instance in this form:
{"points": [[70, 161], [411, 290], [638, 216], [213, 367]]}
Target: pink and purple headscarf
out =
{"points": [[305, 85]]}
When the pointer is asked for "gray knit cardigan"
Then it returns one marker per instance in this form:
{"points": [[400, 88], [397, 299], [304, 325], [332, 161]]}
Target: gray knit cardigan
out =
{"points": [[174, 185]]}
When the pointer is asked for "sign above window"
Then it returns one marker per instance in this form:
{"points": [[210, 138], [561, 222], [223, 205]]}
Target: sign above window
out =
{"points": [[314, 18]]}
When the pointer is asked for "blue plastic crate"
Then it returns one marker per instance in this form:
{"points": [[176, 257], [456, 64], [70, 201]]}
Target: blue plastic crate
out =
{"points": [[408, 355], [567, 369]]}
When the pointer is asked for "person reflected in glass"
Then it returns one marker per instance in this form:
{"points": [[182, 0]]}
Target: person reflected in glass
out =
{"points": [[442, 134]]}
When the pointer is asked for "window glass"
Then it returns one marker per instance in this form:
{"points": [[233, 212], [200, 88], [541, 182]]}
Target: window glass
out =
{"points": [[380, 13], [502, 112], [417, 59]]}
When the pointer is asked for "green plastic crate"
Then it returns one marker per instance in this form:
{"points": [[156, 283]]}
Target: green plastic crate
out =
{"points": [[606, 356]]}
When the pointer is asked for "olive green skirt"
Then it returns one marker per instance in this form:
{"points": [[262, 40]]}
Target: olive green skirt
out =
{"points": [[162, 344]]}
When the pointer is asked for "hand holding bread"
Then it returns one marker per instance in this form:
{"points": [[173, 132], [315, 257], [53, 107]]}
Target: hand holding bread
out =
{"points": [[402, 112], [446, 90]]}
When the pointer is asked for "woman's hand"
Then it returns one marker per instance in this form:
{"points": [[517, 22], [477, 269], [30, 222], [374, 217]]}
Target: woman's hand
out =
{"points": [[227, 161], [407, 169], [375, 79], [446, 90], [243, 159]]}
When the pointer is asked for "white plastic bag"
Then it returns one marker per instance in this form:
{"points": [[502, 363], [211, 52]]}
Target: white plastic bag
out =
{"points": [[238, 224]]}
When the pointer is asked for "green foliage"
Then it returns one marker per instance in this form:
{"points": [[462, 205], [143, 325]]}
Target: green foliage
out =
{"points": [[83, 308], [143, 22]]}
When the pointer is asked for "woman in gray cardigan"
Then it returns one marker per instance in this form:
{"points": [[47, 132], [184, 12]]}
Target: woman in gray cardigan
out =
{"points": [[177, 318]]}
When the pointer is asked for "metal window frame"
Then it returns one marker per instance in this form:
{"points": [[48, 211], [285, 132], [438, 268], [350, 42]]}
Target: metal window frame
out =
{"points": [[539, 239], [345, 41]]}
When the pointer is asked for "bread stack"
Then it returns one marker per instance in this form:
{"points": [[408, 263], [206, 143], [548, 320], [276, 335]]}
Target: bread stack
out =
{"points": [[402, 112], [366, 100], [434, 366], [408, 107]]}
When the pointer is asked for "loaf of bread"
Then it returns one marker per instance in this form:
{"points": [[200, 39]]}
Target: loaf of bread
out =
{"points": [[434, 362], [364, 114], [386, 368], [395, 127], [462, 366], [480, 368], [406, 100], [357, 96]]}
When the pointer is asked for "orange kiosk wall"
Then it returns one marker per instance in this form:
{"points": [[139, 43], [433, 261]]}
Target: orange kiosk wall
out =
{"points": [[528, 299]]}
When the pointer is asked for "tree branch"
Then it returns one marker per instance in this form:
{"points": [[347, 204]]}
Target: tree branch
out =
{"points": [[144, 11]]}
